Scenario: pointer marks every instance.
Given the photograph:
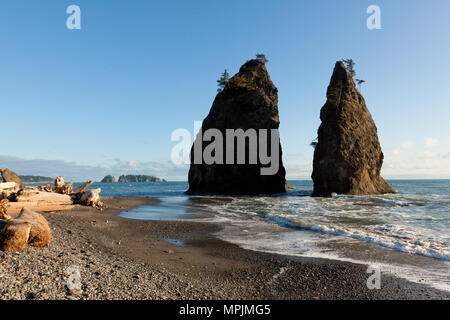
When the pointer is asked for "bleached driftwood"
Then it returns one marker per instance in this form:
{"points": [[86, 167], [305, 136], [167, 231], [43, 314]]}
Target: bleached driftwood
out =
{"points": [[28, 228], [92, 198], [59, 185], [3, 214], [46, 188], [42, 196], [7, 185], [80, 190], [16, 207], [68, 188], [6, 194]]}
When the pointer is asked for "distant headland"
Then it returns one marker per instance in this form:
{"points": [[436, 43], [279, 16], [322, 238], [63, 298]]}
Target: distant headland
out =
{"points": [[132, 178], [32, 179]]}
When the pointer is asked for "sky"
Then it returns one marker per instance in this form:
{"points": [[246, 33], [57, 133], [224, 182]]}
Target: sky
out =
{"points": [[106, 98]]}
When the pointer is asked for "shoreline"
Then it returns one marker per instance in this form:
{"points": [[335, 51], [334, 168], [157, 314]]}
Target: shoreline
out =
{"points": [[121, 258]]}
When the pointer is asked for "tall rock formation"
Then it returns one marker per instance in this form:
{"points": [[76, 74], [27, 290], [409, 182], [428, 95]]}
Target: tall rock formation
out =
{"points": [[348, 156], [248, 101]]}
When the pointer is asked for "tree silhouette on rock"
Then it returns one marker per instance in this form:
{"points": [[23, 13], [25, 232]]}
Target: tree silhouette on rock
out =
{"points": [[222, 82], [350, 65]]}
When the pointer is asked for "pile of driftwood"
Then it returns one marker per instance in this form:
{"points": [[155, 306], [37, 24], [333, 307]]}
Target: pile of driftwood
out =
{"points": [[61, 197], [30, 227]]}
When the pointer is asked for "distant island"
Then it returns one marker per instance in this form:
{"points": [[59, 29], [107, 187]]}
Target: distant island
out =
{"points": [[132, 178], [31, 179], [109, 179]]}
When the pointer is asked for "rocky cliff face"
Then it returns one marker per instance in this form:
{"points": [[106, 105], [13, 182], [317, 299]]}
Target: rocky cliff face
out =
{"points": [[248, 101], [109, 179], [348, 156]]}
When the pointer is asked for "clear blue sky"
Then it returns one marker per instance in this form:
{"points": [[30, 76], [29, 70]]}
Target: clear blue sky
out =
{"points": [[106, 98]]}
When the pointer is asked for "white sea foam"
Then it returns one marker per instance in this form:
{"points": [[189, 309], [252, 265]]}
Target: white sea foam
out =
{"points": [[408, 223], [390, 223], [261, 235]]}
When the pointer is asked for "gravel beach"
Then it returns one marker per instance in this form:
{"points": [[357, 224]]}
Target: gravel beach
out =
{"points": [[129, 259]]}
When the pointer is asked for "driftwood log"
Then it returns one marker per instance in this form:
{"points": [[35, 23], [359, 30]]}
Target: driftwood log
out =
{"points": [[68, 188], [16, 207], [92, 198], [81, 189], [40, 234], [7, 185], [28, 228], [7, 194], [6, 189], [14, 235], [3, 213], [33, 195], [46, 188], [59, 185]]}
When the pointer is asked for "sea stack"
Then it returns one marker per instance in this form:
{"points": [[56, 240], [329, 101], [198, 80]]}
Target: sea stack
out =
{"points": [[248, 101], [348, 156]]}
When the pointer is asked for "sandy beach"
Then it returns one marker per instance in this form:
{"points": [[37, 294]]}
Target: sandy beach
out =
{"points": [[130, 259]]}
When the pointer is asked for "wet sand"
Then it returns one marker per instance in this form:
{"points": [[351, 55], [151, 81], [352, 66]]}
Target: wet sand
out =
{"points": [[122, 258]]}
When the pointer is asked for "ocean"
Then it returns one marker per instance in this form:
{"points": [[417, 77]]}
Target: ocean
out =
{"points": [[405, 234]]}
